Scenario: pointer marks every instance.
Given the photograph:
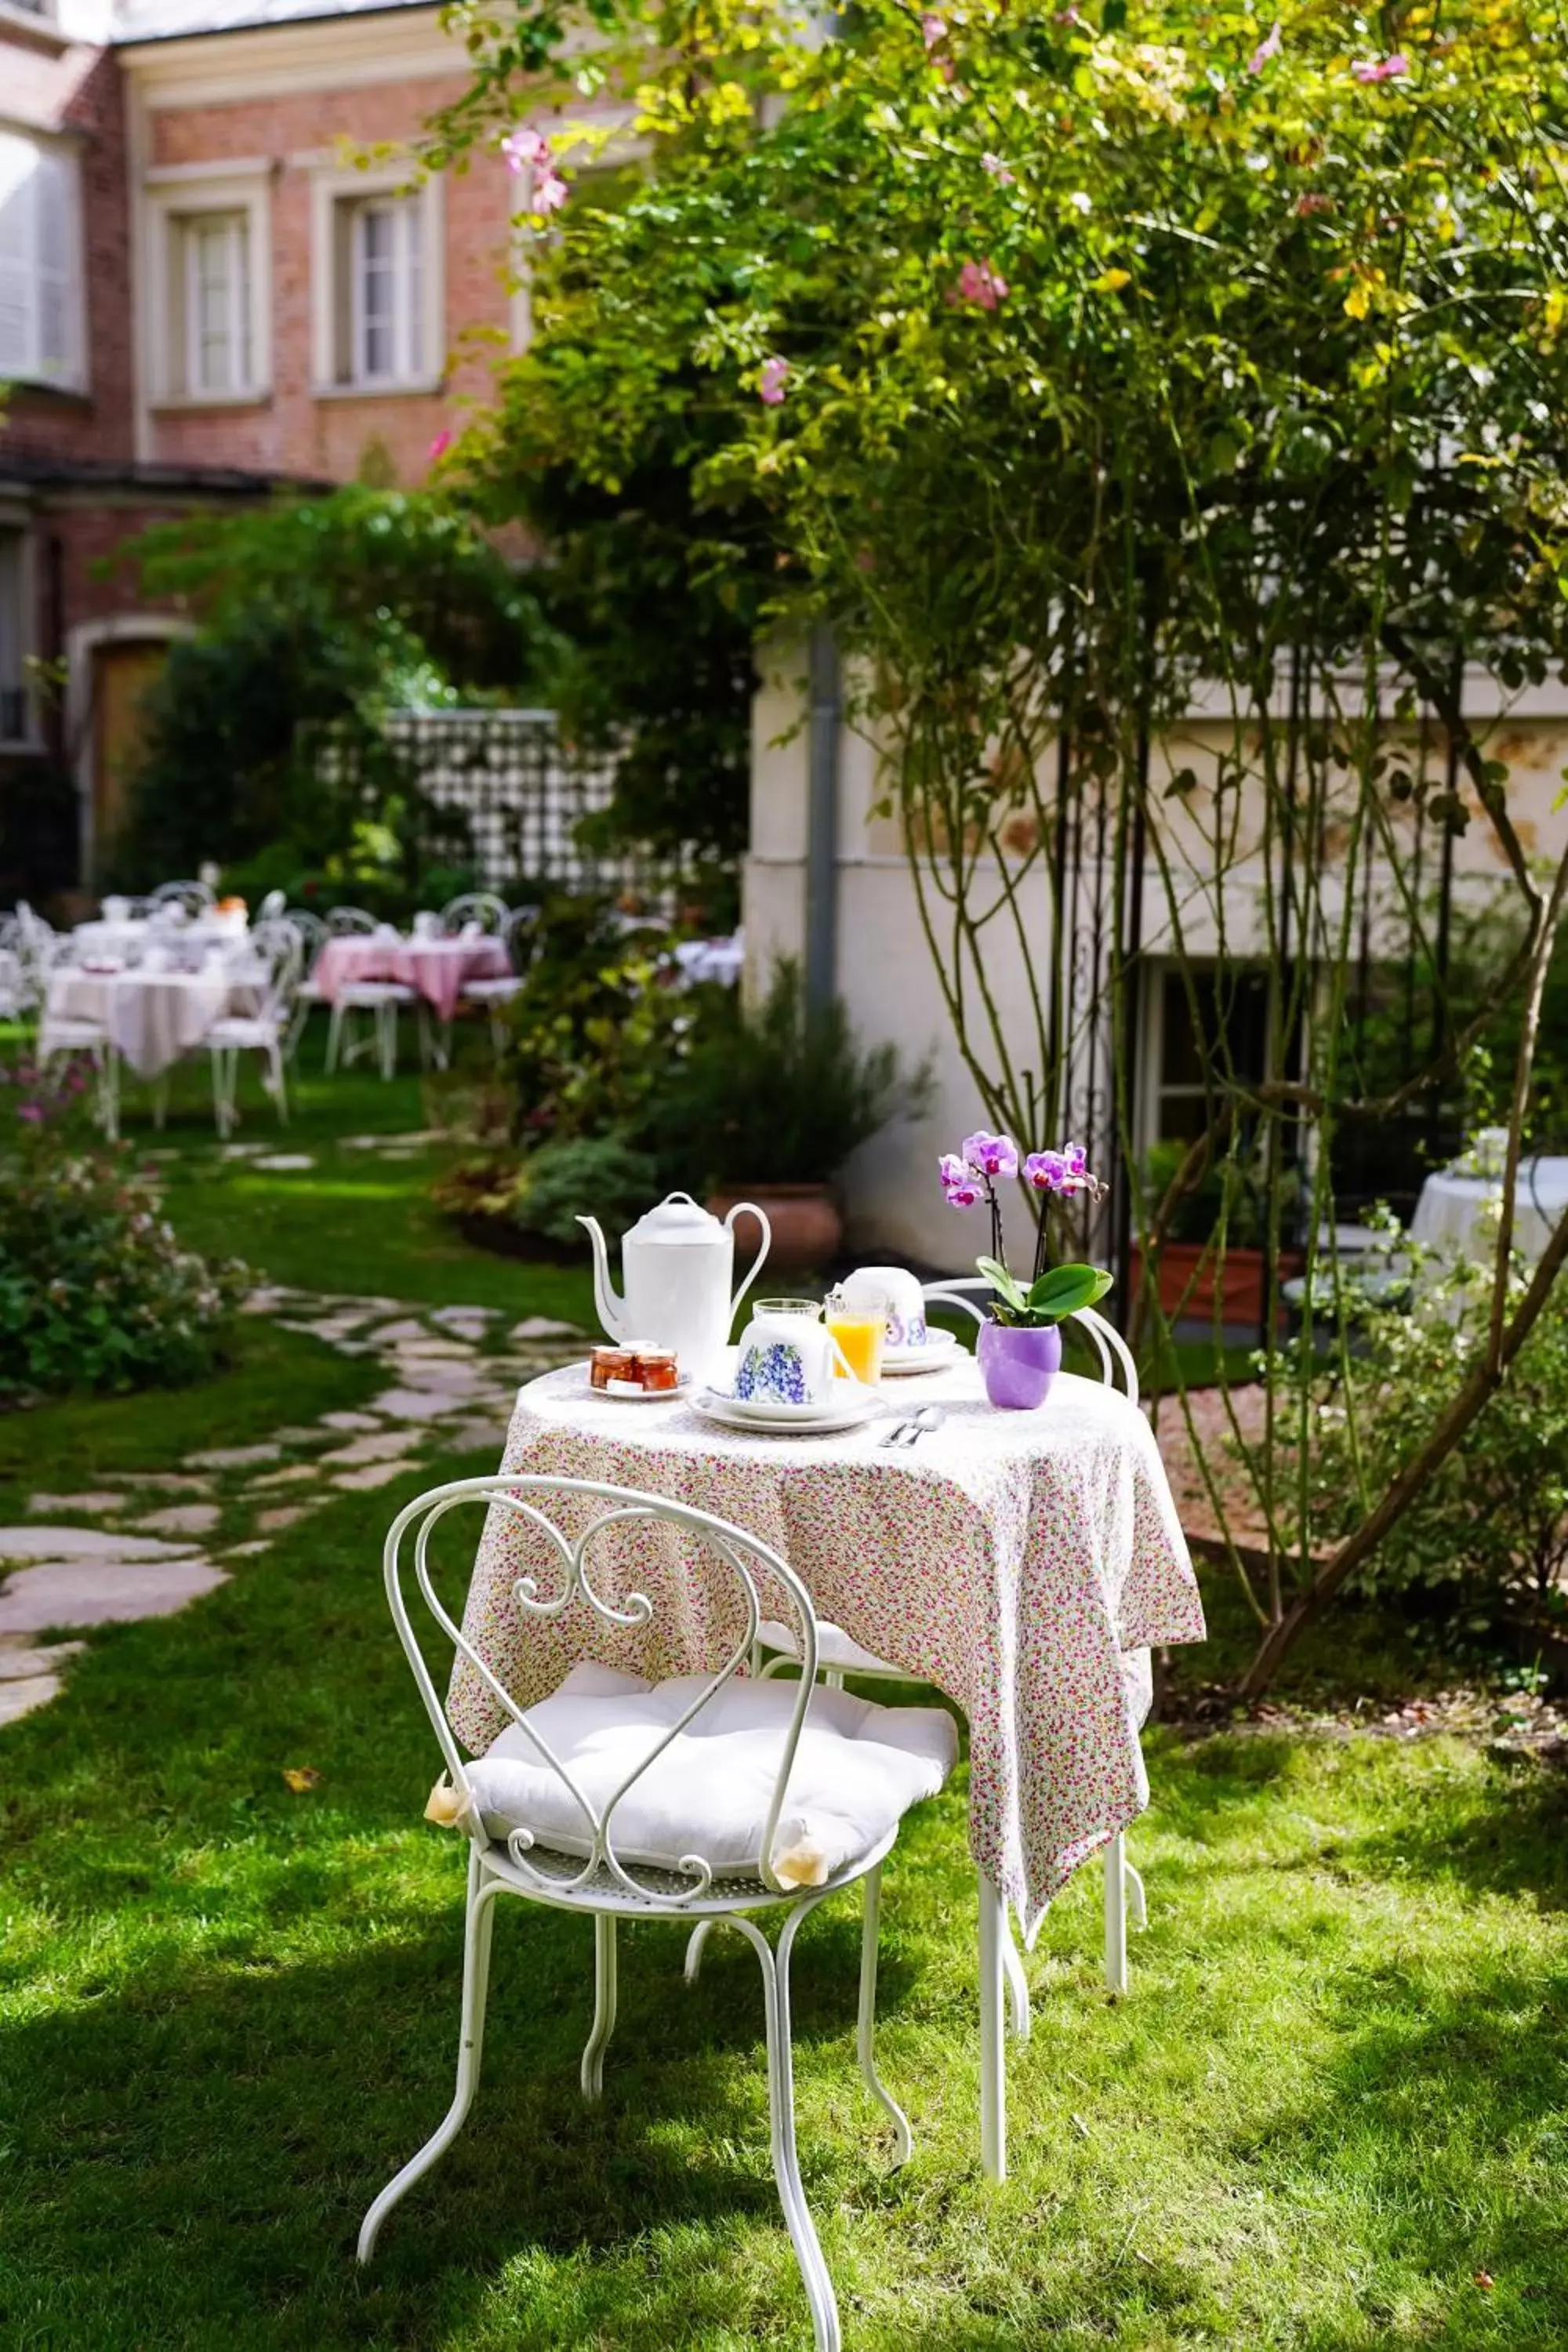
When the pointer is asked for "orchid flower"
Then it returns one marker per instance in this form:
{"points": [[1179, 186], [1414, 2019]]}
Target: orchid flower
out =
{"points": [[770, 381], [1266, 49], [958, 1181], [990, 1155]]}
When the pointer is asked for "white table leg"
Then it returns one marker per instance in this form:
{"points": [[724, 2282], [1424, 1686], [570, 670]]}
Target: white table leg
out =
{"points": [[1116, 1914], [993, 2047]]}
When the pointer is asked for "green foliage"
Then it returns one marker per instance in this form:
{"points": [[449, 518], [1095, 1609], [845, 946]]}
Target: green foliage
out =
{"points": [[778, 1092], [542, 1193], [318, 616], [1489, 1530], [596, 1031], [1061, 1290], [95, 1291]]}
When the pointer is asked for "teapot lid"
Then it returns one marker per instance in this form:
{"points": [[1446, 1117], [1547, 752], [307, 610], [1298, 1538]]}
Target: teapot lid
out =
{"points": [[677, 1219]]}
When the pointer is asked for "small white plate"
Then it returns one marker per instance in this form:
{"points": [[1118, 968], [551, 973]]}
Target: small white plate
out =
{"points": [[784, 1421], [938, 1351], [644, 1396]]}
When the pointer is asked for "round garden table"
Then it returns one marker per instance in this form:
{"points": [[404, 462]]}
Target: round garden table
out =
{"points": [[152, 1018], [439, 969], [1022, 1562]]}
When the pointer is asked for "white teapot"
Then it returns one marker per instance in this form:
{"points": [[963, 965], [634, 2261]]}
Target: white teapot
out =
{"points": [[678, 1263]]}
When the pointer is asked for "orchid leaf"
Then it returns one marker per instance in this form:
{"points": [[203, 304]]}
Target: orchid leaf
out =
{"points": [[1065, 1289], [1003, 1283]]}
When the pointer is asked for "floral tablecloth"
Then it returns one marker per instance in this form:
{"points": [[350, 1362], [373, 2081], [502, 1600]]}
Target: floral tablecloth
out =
{"points": [[438, 969], [1017, 1560]]}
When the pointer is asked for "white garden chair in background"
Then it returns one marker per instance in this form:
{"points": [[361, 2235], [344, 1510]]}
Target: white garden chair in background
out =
{"points": [[495, 995], [475, 910], [839, 1654], [381, 1000], [191, 900], [312, 936], [623, 1800], [270, 961]]}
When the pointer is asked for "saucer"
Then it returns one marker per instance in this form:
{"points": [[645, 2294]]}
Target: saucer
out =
{"points": [[785, 1420], [939, 1349]]}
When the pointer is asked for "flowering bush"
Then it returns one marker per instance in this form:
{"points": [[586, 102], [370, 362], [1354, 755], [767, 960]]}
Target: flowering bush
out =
{"points": [[970, 1175], [95, 1290]]}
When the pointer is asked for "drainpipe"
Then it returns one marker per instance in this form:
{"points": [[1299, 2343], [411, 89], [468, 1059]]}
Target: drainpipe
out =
{"points": [[822, 827]]}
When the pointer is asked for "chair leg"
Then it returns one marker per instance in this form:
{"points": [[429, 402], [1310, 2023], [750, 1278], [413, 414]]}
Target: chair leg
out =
{"points": [[1116, 1914], [386, 1038], [694, 1943], [781, 2100], [1137, 1901], [160, 1099], [109, 1085], [279, 1091], [478, 1922], [604, 2004], [334, 1037], [866, 2022]]}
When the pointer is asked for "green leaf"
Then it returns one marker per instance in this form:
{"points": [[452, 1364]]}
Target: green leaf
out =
{"points": [[1001, 1281], [1064, 1289]]}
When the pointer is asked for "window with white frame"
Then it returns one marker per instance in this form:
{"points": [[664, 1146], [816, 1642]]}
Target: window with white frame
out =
{"points": [[41, 331], [1203, 1020], [210, 282], [15, 717], [379, 294]]}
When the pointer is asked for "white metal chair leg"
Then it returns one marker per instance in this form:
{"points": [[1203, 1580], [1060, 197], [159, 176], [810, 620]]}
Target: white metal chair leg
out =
{"points": [[604, 2005], [866, 2021], [1137, 1901], [1017, 1982], [478, 1926], [994, 1936], [334, 1037], [386, 1038], [160, 1099], [108, 1092], [781, 2098], [1116, 1915], [694, 1943], [279, 1091]]}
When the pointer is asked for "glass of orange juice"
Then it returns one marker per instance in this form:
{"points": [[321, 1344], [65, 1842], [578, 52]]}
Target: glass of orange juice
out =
{"points": [[861, 1331]]}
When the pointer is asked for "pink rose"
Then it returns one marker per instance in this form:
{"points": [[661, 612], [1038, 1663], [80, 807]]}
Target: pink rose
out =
{"points": [[980, 283], [770, 381]]}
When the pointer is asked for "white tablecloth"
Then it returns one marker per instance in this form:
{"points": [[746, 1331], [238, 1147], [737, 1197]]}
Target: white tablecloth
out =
{"points": [[152, 1018], [1449, 1214], [1014, 1560]]}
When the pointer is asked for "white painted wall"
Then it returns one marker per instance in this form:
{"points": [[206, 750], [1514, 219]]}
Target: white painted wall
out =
{"points": [[885, 970]]}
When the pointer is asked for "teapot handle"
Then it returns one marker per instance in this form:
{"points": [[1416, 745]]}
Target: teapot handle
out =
{"points": [[749, 1209]]}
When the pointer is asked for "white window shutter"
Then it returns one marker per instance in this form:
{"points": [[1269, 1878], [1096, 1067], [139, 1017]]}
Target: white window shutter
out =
{"points": [[59, 263], [20, 162]]}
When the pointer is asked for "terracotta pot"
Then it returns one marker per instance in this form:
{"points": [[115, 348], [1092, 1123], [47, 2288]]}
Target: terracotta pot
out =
{"points": [[1189, 1285], [1018, 1364], [806, 1223]]}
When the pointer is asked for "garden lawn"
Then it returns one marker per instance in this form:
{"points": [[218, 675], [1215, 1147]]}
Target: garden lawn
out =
{"points": [[1332, 2114]]}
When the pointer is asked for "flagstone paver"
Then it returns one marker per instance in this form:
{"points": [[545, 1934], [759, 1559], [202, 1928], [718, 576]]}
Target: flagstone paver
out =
{"points": [[293, 1473], [375, 1474], [25, 1661], [381, 1446], [346, 1420], [21, 1697], [83, 1543], [101, 1592], [94, 1503], [417, 1404], [236, 1457], [183, 1519], [285, 1514]]}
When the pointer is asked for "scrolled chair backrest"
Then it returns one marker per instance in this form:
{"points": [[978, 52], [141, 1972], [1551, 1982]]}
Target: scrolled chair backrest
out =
{"points": [[311, 932], [520, 931], [524, 1497], [280, 952], [481, 907], [348, 922], [968, 1291], [193, 897]]}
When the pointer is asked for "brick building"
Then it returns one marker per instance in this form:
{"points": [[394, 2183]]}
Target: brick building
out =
{"points": [[205, 292]]}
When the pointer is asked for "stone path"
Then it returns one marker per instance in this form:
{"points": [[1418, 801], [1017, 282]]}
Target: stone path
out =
{"points": [[159, 1540]]}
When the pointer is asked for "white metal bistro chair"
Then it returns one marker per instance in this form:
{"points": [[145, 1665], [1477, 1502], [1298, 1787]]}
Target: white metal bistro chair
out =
{"points": [[383, 999], [270, 961], [708, 1797], [312, 935], [474, 911], [61, 1034], [192, 900], [839, 1654], [496, 994]]}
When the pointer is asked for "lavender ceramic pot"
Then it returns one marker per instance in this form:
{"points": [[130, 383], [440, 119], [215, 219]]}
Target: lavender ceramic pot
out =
{"points": [[1019, 1365]]}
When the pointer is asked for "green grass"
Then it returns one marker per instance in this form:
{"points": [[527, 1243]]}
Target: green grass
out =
{"points": [[227, 2012]]}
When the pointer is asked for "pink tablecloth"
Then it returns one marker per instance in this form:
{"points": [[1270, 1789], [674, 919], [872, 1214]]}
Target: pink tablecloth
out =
{"points": [[439, 969], [1017, 1560]]}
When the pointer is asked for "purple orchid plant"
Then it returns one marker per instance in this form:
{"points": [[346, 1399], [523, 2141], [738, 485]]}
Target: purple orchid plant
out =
{"points": [[971, 1175]]}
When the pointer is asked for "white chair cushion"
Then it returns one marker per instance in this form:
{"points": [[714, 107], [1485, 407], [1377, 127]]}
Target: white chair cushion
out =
{"points": [[490, 992], [376, 991], [834, 1648], [858, 1770], [239, 1029]]}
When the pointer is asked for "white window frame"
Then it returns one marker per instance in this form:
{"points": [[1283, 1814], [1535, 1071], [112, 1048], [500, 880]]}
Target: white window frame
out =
{"points": [[14, 529], [174, 200], [338, 311], [1151, 1042], [64, 370], [199, 232]]}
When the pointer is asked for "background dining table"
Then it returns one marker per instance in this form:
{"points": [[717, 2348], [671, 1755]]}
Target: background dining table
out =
{"points": [[438, 969], [152, 1017], [1022, 1562]]}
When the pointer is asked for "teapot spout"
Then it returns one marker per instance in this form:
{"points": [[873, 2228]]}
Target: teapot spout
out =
{"points": [[612, 1311]]}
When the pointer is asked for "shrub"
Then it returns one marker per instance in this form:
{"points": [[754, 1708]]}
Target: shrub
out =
{"points": [[95, 1290], [597, 1031], [780, 1093], [542, 1193]]}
